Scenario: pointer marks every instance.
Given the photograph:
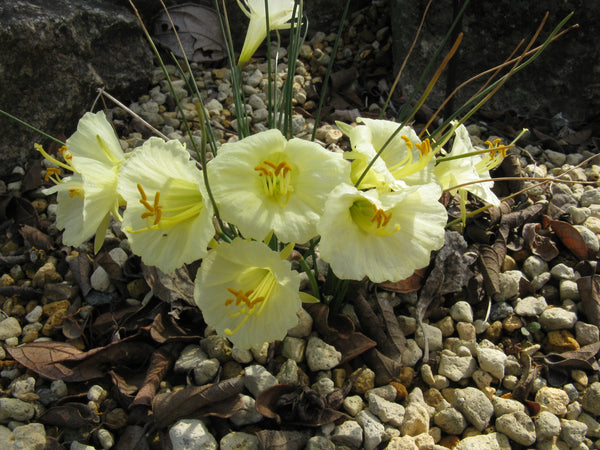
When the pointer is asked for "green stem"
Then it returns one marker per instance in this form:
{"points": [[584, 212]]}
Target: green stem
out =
{"points": [[31, 127]]}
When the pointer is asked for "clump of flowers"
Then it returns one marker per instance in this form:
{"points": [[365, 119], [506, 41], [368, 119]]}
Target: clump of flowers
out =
{"points": [[372, 213]]}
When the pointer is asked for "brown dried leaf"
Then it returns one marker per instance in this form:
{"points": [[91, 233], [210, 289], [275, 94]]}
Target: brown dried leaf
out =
{"points": [[491, 258], [396, 343], [282, 440], [70, 415], [188, 326], [411, 284], [160, 363], [571, 238], [589, 291], [44, 358], [22, 212], [36, 238], [33, 176], [541, 246], [576, 359], [386, 369], [296, 405], [168, 408], [81, 267], [170, 287], [339, 332], [528, 375]]}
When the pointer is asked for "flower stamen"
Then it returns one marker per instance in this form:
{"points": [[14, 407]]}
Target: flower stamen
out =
{"points": [[153, 210], [52, 173], [276, 179]]}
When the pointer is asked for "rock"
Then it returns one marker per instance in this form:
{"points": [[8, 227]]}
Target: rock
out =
{"points": [[304, 326], [456, 367], [206, 370], [247, 414], [217, 347], [353, 404], [349, 434], [557, 319], [506, 406], [563, 272], [518, 426], [320, 355], [474, 405], [590, 238], [492, 361], [573, 432], [509, 285], [586, 333], [293, 348], [461, 312], [433, 334], [560, 341], [547, 425], [258, 379], [31, 437], [365, 381], [411, 354], [451, 421], [387, 411], [191, 434], [239, 440], [318, 443], [15, 409], [387, 392], [492, 441], [54, 55], [592, 424], [373, 430], [534, 266], [105, 438], [553, 400], [190, 357], [9, 328], [591, 197], [531, 306], [591, 399], [416, 419]]}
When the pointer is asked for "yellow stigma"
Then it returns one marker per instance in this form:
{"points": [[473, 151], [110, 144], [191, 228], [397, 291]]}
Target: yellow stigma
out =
{"points": [[276, 179], [372, 219], [408, 166], [152, 210], [245, 302], [494, 157]]}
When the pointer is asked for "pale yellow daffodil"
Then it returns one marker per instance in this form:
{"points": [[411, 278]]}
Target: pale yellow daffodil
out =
{"points": [[468, 169], [280, 14], [248, 293], [265, 183], [406, 160], [384, 237], [86, 198], [168, 221]]}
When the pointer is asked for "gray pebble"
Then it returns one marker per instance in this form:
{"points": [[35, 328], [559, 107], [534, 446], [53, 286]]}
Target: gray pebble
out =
{"points": [[100, 280], [534, 265], [506, 406], [547, 425], [318, 443], [255, 78], [293, 348], [553, 400], [191, 434], [557, 319], [556, 158], [591, 399], [456, 367], [348, 433], [320, 355], [9, 328], [258, 379], [451, 421], [492, 361], [387, 411], [434, 337], [572, 432], [591, 197], [205, 371], [28, 437], [564, 272], [288, 372], [500, 310], [411, 354], [416, 419], [105, 438], [13, 408], [239, 440], [586, 333], [508, 285], [247, 414], [461, 312], [568, 290], [590, 238], [35, 314], [578, 214], [518, 426], [492, 441], [373, 430], [531, 306], [190, 357], [474, 405]]}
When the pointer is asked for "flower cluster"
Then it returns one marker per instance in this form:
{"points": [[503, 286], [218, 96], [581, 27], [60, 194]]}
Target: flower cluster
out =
{"points": [[372, 212]]}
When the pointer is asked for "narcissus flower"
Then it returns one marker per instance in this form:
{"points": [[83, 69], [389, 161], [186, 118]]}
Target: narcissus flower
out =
{"points": [[167, 220], [406, 158], [280, 14], [86, 198], [470, 168], [248, 293], [266, 183], [384, 237]]}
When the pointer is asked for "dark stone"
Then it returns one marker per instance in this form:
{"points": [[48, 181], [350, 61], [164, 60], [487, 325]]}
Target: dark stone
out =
{"points": [[563, 79], [54, 54]]}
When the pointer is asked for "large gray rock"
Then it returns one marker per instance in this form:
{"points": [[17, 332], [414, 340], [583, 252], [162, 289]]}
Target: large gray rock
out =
{"points": [[54, 54], [560, 80]]}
